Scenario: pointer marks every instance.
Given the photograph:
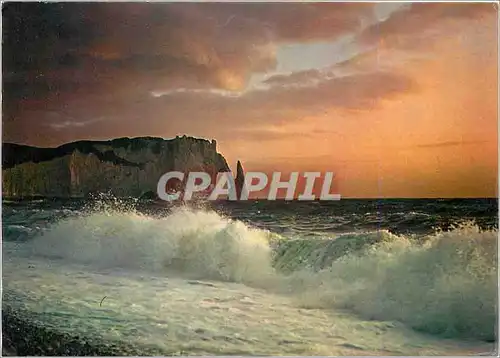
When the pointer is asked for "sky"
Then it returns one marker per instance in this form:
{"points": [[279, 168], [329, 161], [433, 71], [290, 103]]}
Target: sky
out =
{"points": [[397, 99]]}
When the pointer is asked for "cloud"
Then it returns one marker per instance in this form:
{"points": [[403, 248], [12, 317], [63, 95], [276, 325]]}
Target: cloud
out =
{"points": [[265, 134], [72, 124], [354, 91], [415, 23], [162, 69], [299, 78], [220, 45], [245, 116], [357, 91], [93, 59], [206, 91], [209, 114], [450, 144]]}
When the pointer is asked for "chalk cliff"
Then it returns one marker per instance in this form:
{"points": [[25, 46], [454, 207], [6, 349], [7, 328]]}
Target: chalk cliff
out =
{"points": [[123, 166]]}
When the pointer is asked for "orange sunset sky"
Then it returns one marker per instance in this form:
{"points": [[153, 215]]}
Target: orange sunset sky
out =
{"points": [[398, 99]]}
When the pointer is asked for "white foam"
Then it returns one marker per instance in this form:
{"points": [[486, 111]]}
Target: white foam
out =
{"points": [[200, 243], [140, 263], [199, 318]]}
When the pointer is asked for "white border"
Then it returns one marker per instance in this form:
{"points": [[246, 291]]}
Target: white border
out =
{"points": [[321, 1]]}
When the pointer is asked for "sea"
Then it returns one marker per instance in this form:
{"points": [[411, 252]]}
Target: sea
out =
{"points": [[348, 277]]}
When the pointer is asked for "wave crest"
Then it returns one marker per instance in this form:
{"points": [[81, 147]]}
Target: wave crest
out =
{"points": [[201, 244], [444, 283]]}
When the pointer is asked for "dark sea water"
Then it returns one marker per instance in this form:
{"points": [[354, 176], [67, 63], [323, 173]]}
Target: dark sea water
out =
{"points": [[346, 277], [21, 220]]}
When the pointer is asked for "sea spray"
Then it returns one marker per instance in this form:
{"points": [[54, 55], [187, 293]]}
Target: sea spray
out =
{"points": [[198, 243], [443, 283], [446, 285]]}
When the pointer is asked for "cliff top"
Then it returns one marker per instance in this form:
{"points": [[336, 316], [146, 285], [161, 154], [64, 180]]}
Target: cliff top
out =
{"points": [[14, 154]]}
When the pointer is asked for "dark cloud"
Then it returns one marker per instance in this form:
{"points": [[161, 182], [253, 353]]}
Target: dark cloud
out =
{"points": [[84, 61], [56, 55], [211, 114], [217, 44]]}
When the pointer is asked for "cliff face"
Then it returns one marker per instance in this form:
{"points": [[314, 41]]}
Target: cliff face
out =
{"points": [[124, 166]]}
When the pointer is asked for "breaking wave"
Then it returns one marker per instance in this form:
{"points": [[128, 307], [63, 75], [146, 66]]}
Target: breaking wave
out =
{"points": [[443, 283], [197, 243]]}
